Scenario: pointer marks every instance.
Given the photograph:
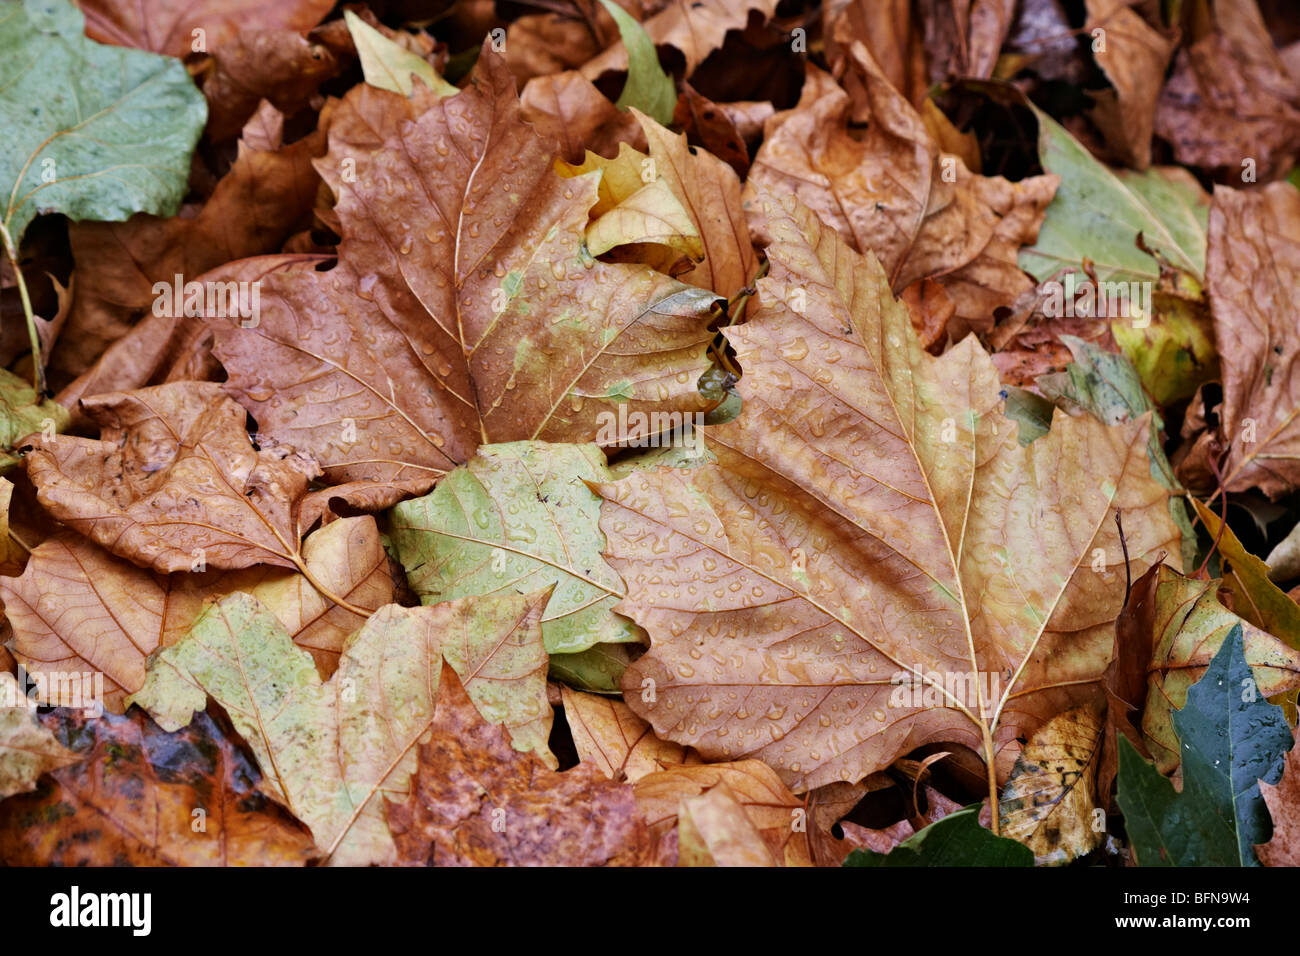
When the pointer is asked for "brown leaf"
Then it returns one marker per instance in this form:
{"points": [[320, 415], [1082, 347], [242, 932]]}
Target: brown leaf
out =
{"points": [[1253, 273], [460, 312], [1283, 799], [476, 801], [776, 813], [889, 191], [1231, 100], [714, 830], [841, 550], [77, 608], [696, 29], [279, 66], [568, 108], [609, 736], [174, 480], [141, 797], [1134, 59], [167, 26], [707, 123]]}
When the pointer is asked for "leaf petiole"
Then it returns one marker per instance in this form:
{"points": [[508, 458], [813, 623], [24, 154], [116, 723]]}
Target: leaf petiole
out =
{"points": [[38, 374]]}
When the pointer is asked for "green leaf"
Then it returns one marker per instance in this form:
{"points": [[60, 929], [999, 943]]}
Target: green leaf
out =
{"points": [[21, 415], [1098, 213], [956, 840], [597, 671], [1231, 739], [91, 131], [329, 750], [648, 87], [387, 65], [518, 517]]}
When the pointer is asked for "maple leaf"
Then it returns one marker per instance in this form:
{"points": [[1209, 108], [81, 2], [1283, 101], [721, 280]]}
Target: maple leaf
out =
{"points": [[485, 320], [329, 748], [775, 813], [477, 802], [607, 734], [167, 26], [842, 544], [77, 608], [1253, 275], [138, 796], [890, 192]]}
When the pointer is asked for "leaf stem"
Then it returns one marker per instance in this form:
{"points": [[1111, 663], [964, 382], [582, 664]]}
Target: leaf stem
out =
{"points": [[38, 375], [326, 593]]}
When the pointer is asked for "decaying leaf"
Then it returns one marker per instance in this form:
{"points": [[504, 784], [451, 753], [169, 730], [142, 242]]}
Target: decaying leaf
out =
{"points": [[1282, 800], [477, 802], [140, 797], [27, 749]]}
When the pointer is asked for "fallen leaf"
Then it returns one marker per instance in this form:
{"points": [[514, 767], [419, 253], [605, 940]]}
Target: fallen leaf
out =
{"points": [[168, 26], [1281, 799], [1231, 740], [77, 608], [329, 748], [713, 830], [609, 736], [518, 517], [27, 748], [1049, 802], [956, 840], [1133, 55], [825, 548], [473, 334], [141, 797], [21, 414], [476, 802]]}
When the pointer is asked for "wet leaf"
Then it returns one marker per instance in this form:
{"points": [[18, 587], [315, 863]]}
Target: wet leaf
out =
{"points": [[956, 840]]}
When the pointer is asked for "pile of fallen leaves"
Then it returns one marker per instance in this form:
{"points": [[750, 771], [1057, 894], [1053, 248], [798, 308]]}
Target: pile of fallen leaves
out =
{"points": [[645, 432]]}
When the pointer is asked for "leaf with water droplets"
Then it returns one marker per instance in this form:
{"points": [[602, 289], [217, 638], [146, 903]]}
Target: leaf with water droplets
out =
{"points": [[464, 308], [874, 561], [519, 517], [1231, 739]]}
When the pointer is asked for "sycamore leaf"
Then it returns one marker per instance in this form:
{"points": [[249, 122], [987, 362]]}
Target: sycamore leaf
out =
{"points": [[648, 87], [390, 66], [892, 191], [1254, 276], [1231, 740], [95, 132], [136, 796], [13, 555], [1283, 801], [696, 29], [518, 517], [713, 830], [476, 802], [956, 840], [607, 734], [1048, 803], [1098, 213], [1108, 386], [873, 562], [168, 26], [77, 608], [464, 308], [21, 414], [776, 813], [27, 749], [329, 748], [174, 482], [1188, 625]]}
